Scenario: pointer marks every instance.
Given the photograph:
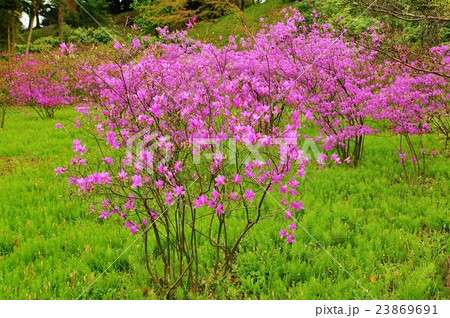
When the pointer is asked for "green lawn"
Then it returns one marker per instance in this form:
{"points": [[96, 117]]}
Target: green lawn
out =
{"points": [[390, 236]]}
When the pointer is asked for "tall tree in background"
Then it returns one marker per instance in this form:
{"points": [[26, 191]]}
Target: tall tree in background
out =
{"points": [[119, 6], [427, 22], [34, 8], [176, 13], [65, 7], [10, 11]]}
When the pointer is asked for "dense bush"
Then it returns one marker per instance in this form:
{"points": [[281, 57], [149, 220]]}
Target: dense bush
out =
{"points": [[158, 112], [176, 13], [45, 44], [90, 36]]}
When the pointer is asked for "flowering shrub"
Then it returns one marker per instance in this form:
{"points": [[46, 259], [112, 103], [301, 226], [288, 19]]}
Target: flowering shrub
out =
{"points": [[41, 83], [194, 139]]}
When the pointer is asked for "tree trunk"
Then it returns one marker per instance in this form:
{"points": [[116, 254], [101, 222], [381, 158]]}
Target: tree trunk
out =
{"points": [[34, 12], [13, 33], [9, 40], [60, 18], [38, 25], [64, 5]]}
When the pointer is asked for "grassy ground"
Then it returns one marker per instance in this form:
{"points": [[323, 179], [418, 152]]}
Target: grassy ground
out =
{"points": [[392, 237]]}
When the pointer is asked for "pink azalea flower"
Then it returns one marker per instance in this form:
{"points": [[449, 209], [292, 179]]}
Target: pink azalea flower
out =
{"points": [[60, 170], [283, 233], [159, 184], [293, 227], [108, 160], [58, 126], [233, 196], [297, 205], [104, 214], [132, 227], [294, 183], [249, 195], [136, 43], [219, 209], [237, 178], [334, 157], [198, 203], [220, 180], [116, 45], [63, 47], [290, 239], [122, 175], [177, 166], [215, 194], [288, 214], [347, 160], [168, 197], [137, 181], [77, 147], [178, 191], [71, 48], [153, 215]]}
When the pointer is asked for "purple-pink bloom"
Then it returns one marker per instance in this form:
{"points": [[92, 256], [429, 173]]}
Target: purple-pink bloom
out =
{"points": [[104, 214], [168, 198], [237, 178], [178, 191], [219, 209], [297, 205], [220, 180], [108, 160], [63, 47], [122, 175], [288, 214], [290, 239], [137, 181], [159, 184], [292, 226], [215, 194], [249, 195], [60, 170], [202, 199]]}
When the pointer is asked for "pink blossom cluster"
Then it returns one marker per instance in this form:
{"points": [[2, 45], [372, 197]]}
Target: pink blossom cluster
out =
{"points": [[185, 99], [40, 84]]}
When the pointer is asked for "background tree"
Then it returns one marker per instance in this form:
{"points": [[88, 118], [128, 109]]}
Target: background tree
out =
{"points": [[425, 22], [10, 13], [176, 13], [33, 13]]}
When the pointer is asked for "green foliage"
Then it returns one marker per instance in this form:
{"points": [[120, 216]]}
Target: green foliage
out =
{"points": [[232, 24], [391, 236], [90, 36], [45, 44], [412, 22], [176, 13], [90, 13]]}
